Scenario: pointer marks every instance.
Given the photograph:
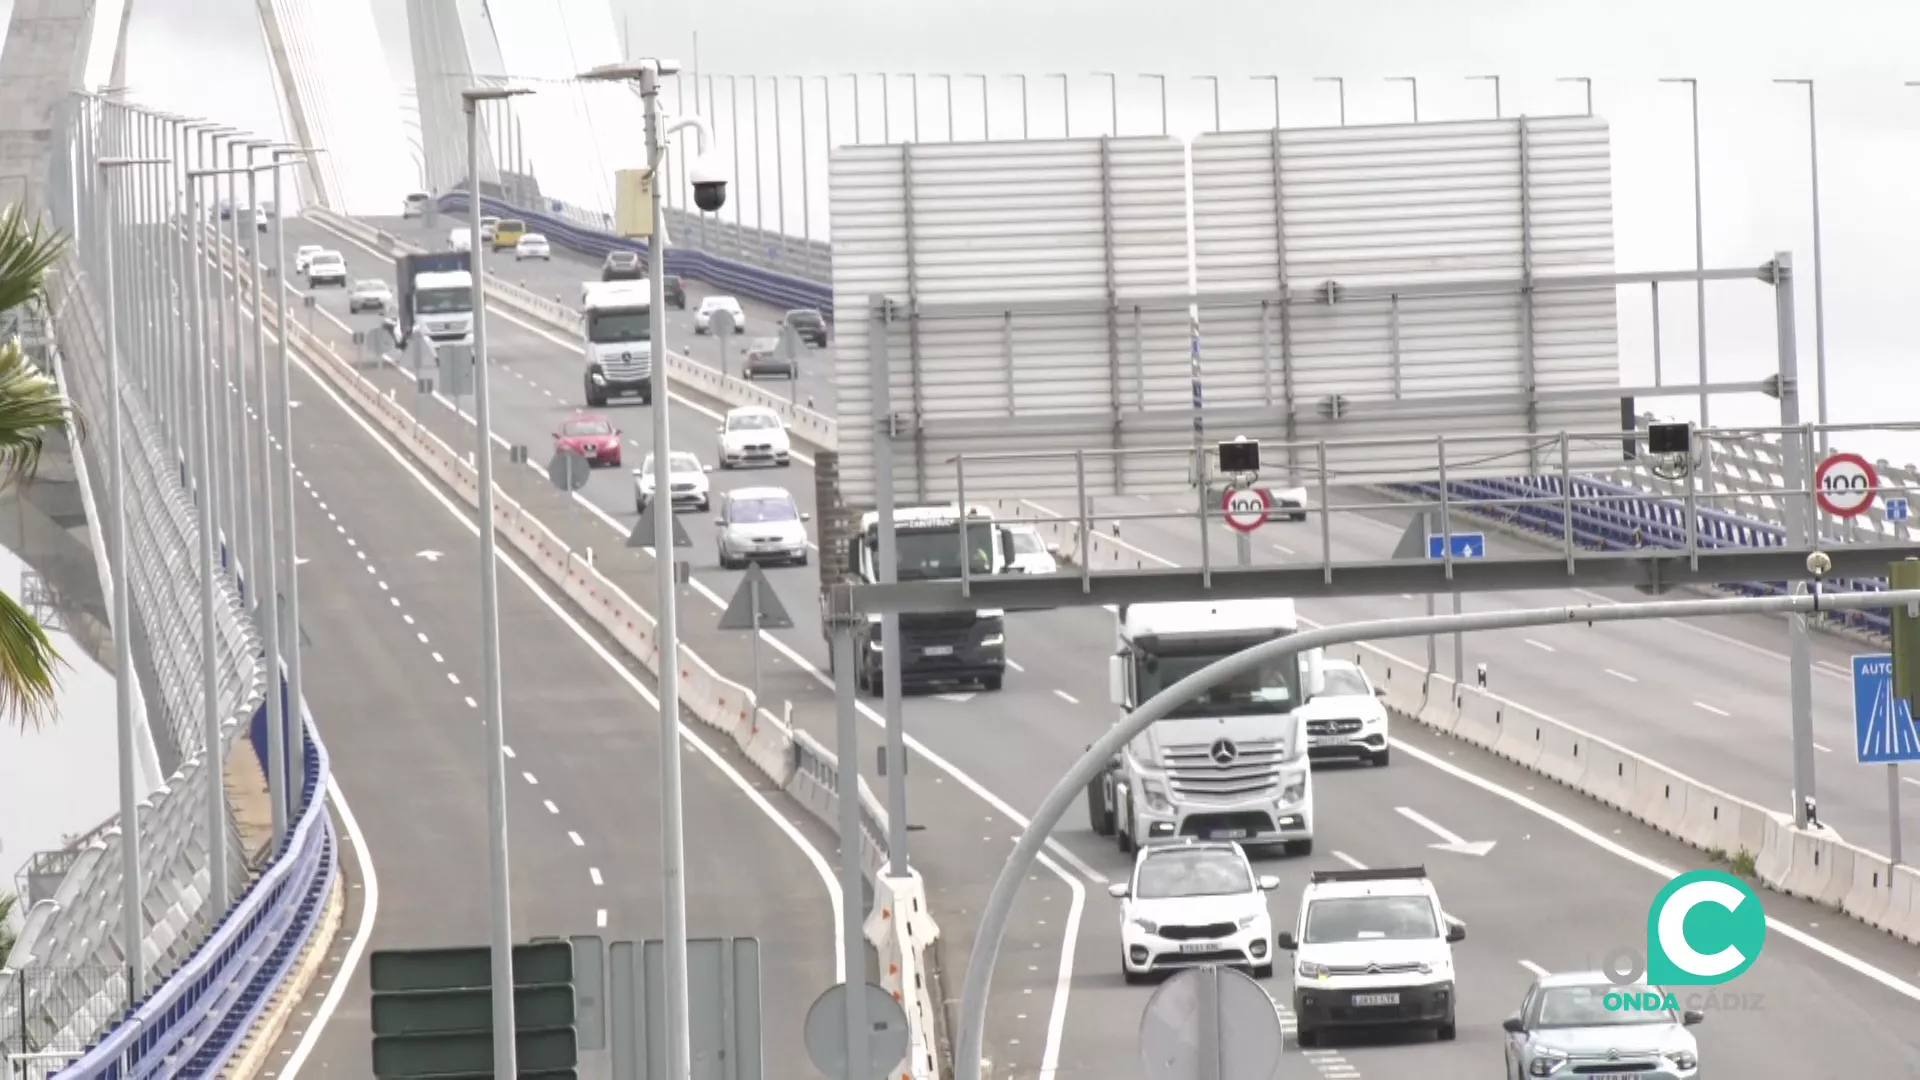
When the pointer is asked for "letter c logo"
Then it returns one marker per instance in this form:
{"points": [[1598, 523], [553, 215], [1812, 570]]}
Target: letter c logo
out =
{"points": [[1734, 921]]}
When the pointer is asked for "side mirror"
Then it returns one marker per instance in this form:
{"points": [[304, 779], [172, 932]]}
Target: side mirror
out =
{"points": [[1379, 691], [720, 521], [1692, 1017], [706, 468], [1269, 882], [556, 434], [1117, 890], [1053, 549], [617, 432], [637, 472], [806, 517], [1285, 940], [1117, 680], [1456, 932], [720, 431], [1514, 1024]]}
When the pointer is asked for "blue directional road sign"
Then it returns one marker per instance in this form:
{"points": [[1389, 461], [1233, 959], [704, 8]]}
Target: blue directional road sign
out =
{"points": [[1898, 510], [1883, 730], [1463, 545]]}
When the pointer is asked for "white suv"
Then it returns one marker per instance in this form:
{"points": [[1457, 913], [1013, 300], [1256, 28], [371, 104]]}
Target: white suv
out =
{"points": [[1347, 719], [1192, 902], [703, 315], [751, 435], [1372, 948]]}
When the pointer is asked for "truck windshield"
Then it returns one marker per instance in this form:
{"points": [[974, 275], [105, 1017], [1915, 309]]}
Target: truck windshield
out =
{"points": [[442, 301], [934, 554], [1270, 688], [613, 327]]}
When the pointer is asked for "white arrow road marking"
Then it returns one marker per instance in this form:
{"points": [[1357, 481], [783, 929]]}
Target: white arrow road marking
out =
{"points": [[430, 556], [1449, 841]]}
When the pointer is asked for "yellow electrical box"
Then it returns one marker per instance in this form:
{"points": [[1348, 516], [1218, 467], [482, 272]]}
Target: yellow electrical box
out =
{"points": [[633, 202]]}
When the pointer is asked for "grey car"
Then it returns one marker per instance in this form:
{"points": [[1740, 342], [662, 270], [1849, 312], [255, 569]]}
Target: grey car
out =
{"points": [[1575, 1025], [369, 295], [764, 358]]}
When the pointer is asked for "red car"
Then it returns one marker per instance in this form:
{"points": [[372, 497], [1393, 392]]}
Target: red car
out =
{"points": [[593, 437]]}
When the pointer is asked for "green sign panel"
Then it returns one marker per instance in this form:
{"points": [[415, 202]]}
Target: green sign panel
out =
{"points": [[433, 1012], [401, 970], [454, 1012], [472, 1052]]}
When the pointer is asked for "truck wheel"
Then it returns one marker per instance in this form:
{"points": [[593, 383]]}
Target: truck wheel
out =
{"points": [[1099, 814], [991, 682], [1124, 837]]}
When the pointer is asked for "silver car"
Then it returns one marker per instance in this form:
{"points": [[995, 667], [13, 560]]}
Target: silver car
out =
{"points": [[1575, 1025], [760, 524], [369, 295]]}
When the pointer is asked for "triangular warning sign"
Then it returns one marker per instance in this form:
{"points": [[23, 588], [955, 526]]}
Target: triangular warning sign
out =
{"points": [[642, 534], [755, 593]]}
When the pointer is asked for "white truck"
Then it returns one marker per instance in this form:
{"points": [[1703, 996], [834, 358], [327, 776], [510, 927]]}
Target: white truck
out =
{"points": [[435, 296], [616, 325], [1228, 765]]}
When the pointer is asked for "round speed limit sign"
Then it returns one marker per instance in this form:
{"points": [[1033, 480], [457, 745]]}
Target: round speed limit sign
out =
{"points": [[1845, 485], [1246, 508]]}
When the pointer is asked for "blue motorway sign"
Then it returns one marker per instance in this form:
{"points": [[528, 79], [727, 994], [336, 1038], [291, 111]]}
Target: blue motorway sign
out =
{"points": [[1898, 509], [1883, 729], [1463, 546]]}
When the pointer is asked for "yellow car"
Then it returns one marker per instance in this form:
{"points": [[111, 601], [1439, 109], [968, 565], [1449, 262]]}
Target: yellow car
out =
{"points": [[507, 234]]}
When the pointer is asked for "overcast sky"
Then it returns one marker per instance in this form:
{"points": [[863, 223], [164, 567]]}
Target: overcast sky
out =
{"points": [[206, 57]]}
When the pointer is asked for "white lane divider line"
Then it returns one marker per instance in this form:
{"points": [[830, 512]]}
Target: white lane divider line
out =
{"points": [[1016, 667], [531, 779], [1535, 968], [1621, 675], [1823, 749], [1066, 697], [600, 918], [551, 809], [1283, 549], [1350, 860], [1711, 709], [593, 872], [472, 704], [575, 837], [452, 678], [1541, 645], [507, 750]]}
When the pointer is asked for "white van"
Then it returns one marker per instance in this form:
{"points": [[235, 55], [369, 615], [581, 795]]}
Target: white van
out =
{"points": [[416, 205]]}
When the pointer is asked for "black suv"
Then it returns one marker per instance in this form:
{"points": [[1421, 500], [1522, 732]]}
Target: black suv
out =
{"points": [[622, 266], [810, 325], [676, 291]]}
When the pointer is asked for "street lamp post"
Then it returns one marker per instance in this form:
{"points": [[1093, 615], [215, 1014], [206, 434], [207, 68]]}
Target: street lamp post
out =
{"points": [[1162, 80], [947, 83], [1215, 80], [1023, 106], [1275, 80], [505, 1053], [1413, 87], [779, 158], [806, 184], [132, 887], [1819, 291], [913, 93], [1066, 103], [1699, 251], [1495, 80], [986, 107], [857, 140], [291, 568], [1340, 84], [1587, 84], [672, 824], [886, 107], [1113, 97], [759, 200]]}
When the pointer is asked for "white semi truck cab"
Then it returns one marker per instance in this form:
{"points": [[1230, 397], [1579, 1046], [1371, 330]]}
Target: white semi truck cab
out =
{"points": [[1231, 764], [616, 323]]}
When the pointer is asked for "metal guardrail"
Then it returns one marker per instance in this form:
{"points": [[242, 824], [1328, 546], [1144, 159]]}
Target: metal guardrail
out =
{"points": [[216, 970]]}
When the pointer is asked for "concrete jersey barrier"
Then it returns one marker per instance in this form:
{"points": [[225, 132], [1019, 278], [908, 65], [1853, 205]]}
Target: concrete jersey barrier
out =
{"points": [[900, 928]]}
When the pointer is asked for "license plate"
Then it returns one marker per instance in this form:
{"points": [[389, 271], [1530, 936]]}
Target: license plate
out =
{"points": [[1196, 947], [1227, 834], [1363, 1000], [939, 650], [1614, 1076]]}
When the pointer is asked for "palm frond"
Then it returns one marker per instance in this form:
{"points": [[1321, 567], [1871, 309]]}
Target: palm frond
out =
{"points": [[27, 251], [29, 667], [7, 901], [31, 405]]}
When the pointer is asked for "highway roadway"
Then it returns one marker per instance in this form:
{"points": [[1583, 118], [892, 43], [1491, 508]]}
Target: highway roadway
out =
{"points": [[390, 603], [1562, 886]]}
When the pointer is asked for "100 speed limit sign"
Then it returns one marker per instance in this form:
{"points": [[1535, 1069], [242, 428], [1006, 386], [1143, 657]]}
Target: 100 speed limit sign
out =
{"points": [[1845, 484]]}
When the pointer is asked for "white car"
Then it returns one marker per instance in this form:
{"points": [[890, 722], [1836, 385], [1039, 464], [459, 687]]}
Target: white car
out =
{"points": [[703, 315], [760, 524], [1372, 948], [1026, 552], [1193, 902], [416, 205], [260, 218], [369, 295], [486, 228], [532, 246], [751, 435], [461, 239], [1289, 504], [304, 256], [327, 268], [685, 474], [1347, 719]]}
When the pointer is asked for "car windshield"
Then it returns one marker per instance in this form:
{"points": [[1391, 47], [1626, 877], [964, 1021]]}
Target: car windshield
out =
{"points": [[370, 286], [328, 260], [1264, 689], [511, 226], [761, 511], [934, 554], [677, 463], [416, 197], [623, 258], [1176, 874], [1585, 1006], [1021, 542], [1370, 918], [1345, 682], [765, 345], [308, 249], [804, 318], [752, 422], [720, 303], [613, 327], [533, 239], [586, 427], [442, 301]]}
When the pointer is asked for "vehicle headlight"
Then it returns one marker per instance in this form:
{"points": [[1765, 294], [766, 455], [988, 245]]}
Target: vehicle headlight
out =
{"points": [[1155, 795], [599, 376], [1147, 925], [993, 641], [990, 613], [1295, 790], [1546, 1062], [1309, 970], [1683, 1059]]}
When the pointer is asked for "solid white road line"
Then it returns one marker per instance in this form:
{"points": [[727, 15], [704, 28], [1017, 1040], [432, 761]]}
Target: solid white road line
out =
{"points": [[1711, 709], [1621, 675], [1535, 968], [362, 934]]}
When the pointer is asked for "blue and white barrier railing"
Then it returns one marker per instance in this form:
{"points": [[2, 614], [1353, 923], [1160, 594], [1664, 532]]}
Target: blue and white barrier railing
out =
{"points": [[767, 286]]}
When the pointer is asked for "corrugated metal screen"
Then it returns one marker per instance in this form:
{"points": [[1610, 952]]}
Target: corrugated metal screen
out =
{"points": [[1038, 301]]}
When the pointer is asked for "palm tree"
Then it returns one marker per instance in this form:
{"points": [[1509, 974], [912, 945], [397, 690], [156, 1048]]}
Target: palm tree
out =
{"points": [[6, 928], [31, 406]]}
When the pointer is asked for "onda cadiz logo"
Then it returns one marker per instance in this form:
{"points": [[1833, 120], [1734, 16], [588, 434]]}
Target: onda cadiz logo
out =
{"points": [[1704, 929]]}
